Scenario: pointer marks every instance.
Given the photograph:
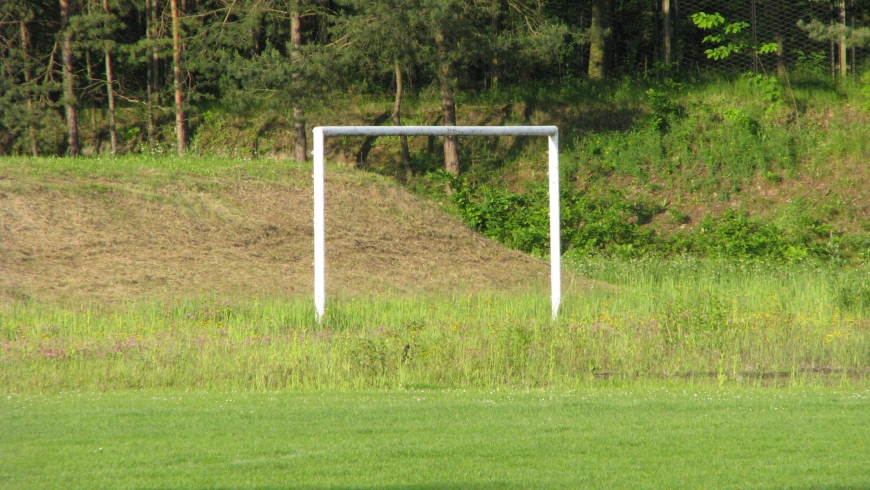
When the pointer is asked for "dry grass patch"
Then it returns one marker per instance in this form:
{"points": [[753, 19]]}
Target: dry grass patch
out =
{"points": [[152, 233]]}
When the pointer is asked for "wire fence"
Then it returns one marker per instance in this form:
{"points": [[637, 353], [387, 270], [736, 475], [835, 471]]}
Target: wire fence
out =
{"points": [[772, 21]]}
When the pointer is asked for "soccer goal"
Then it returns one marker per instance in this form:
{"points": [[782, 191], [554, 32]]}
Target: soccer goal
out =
{"points": [[320, 134]]}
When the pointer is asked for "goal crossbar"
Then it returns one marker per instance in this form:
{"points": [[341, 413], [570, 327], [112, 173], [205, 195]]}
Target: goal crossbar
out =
{"points": [[320, 133], [437, 130]]}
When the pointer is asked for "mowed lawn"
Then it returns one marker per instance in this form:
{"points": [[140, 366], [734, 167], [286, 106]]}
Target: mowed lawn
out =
{"points": [[428, 439]]}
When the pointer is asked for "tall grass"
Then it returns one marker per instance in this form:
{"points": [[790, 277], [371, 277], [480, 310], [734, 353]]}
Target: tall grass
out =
{"points": [[703, 321], [744, 288]]}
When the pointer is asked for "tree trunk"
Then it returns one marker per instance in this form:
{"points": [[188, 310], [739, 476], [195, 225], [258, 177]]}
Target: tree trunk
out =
{"points": [[110, 94], [448, 104], [754, 29], [301, 141], [598, 40], [28, 79], [778, 37], [69, 97], [495, 25], [580, 24], [854, 59], [300, 138], [666, 31], [676, 54], [843, 49], [150, 31], [833, 46], [397, 119], [95, 132], [156, 24], [180, 131]]}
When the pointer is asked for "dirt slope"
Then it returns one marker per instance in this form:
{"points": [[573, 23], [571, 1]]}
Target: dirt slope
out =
{"points": [[151, 234]]}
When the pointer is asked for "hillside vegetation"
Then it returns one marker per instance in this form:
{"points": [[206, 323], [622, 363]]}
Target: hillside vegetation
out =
{"points": [[713, 129], [715, 167], [733, 168]]}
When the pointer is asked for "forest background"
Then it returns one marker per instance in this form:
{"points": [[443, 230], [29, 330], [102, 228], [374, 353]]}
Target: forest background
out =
{"points": [[698, 127]]}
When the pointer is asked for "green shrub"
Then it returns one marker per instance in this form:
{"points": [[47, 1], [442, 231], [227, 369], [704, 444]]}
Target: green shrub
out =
{"points": [[609, 223], [736, 235]]}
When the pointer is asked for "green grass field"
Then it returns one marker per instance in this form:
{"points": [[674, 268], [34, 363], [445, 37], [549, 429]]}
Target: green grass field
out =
{"points": [[428, 439]]}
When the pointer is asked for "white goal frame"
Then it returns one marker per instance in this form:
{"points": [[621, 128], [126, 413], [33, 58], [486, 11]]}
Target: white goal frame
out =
{"points": [[321, 132]]}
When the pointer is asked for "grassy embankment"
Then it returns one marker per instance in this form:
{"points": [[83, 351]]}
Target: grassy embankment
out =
{"points": [[708, 321], [661, 166], [715, 167]]}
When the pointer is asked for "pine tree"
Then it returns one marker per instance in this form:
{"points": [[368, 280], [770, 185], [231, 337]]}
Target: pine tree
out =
{"points": [[381, 36], [445, 37]]}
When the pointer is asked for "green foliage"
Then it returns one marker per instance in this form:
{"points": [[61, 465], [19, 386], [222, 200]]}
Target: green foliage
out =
{"points": [[736, 235], [517, 220], [771, 91], [613, 225], [731, 38], [238, 55], [664, 105], [94, 29], [379, 33], [814, 64], [608, 223]]}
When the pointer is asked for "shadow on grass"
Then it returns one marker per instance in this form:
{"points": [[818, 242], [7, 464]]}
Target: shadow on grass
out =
{"points": [[865, 486], [445, 486], [480, 486]]}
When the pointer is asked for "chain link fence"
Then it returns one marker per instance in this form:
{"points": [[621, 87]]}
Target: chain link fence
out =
{"points": [[772, 21], [638, 37]]}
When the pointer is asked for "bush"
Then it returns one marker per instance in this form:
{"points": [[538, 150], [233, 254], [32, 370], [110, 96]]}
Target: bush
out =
{"points": [[608, 223], [611, 224]]}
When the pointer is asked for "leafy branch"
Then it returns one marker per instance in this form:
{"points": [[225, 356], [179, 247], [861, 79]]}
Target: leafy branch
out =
{"points": [[731, 37]]}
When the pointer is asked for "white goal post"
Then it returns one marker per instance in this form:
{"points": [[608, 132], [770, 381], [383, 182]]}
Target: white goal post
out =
{"points": [[320, 133]]}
